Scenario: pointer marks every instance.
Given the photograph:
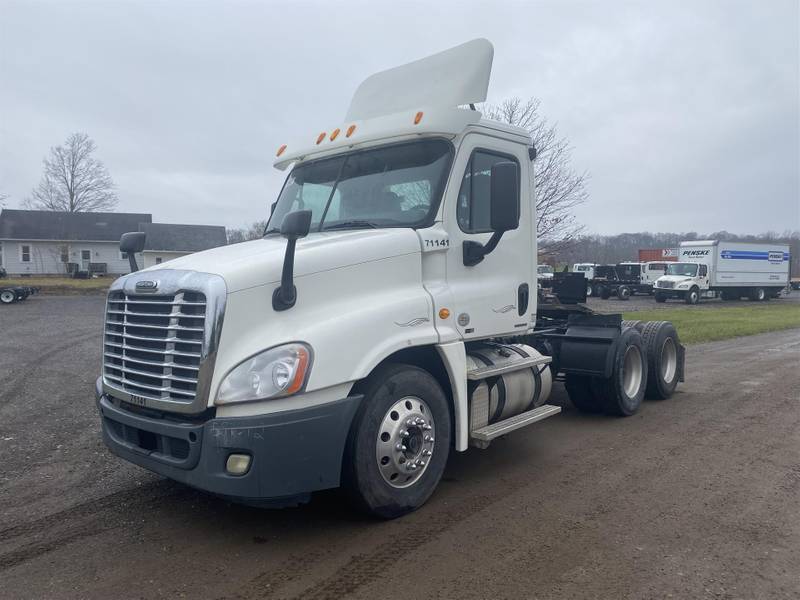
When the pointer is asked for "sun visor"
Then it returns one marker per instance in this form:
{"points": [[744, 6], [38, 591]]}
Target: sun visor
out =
{"points": [[455, 77]]}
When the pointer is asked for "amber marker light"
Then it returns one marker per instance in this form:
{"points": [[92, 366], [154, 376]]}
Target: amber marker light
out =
{"points": [[320, 137], [418, 118], [350, 130], [443, 313], [281, 150], [300, 374], [335, 133]]}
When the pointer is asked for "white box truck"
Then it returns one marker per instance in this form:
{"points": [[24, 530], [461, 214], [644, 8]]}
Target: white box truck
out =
{"points": [[731, 269], [385, 319]]}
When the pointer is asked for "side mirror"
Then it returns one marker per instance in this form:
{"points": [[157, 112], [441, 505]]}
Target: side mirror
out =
{"points": [[132, 243], [504, 197], [503, 207], [294, 226], [272, 207]]}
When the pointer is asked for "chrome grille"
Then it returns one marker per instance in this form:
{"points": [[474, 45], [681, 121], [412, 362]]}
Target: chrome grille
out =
{"points": [[665, 284], [153, 344]]}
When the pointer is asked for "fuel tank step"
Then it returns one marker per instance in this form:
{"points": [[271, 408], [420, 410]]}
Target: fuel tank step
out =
{"points": [[483, 436], [520, 363]]}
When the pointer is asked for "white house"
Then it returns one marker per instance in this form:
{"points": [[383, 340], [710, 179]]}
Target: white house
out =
{"points": [[36, 242]]}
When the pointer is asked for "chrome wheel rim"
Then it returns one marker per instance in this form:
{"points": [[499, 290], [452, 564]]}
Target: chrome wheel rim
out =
{"points": [[7, 297], [632, 371], [404, 446], [669, 360], [588, 290]]}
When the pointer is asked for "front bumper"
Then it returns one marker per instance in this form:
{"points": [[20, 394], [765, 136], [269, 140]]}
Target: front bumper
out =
{"points": [[293, 452], [670, 292]]}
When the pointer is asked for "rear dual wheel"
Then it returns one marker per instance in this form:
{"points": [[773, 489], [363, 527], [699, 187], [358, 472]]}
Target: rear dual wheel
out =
{"points": [[622, 393]]}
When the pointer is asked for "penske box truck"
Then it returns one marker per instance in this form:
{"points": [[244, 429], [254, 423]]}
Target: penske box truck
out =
{"points": [[387, 318], [731, 269]]}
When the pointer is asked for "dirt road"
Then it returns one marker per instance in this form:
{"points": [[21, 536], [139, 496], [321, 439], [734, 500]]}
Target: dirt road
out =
{"points": [[698, 496]]}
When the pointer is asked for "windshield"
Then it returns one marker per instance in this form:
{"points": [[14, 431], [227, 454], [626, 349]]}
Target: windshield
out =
{"points": [[684, 269], [545, 269], [584, 268], [392, 186]]}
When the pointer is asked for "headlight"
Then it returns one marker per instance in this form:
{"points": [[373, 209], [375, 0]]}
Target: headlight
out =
{"points": [[683, 285], [276, 372]]}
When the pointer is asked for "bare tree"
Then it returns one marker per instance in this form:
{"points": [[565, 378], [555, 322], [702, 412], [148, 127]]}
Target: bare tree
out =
{"points": [[73, 180], [3, 198], [253, 232], [559, 189]]}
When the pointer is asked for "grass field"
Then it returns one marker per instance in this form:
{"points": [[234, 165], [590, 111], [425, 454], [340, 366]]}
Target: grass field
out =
{"points": [[708, 325], [61, 285]]}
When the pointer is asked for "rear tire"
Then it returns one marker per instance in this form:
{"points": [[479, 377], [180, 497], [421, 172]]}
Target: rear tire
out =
{"points": [[758, 294], [637, 325], [605, 292], [624, 292], [581, 394], [7, 296], [376, 472], [623, 392], [588, 290], [662, 348]]}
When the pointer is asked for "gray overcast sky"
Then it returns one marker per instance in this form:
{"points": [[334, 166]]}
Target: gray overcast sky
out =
{"points": [[685, 114]]}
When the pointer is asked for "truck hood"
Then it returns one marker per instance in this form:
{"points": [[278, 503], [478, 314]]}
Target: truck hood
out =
{"points": [[676, 279], [259, 262]]}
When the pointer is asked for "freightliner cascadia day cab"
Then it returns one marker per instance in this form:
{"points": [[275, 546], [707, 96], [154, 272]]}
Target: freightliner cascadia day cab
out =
{"points": [[731, 269], [386, 318]]}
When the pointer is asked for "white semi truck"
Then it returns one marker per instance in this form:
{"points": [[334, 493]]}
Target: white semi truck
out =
{"points": [[731, 269], [386, 318]]}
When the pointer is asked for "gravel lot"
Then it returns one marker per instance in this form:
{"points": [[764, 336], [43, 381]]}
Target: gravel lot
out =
{"points": [[694, 497]]}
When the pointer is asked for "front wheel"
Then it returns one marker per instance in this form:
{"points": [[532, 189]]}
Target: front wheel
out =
{"points": [[692, 296], [624, 292], [399, 441], [7, 296], [588, 290], [661, 298]]}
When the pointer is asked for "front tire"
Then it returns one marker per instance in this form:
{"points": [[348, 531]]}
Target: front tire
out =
{"points": [[624, 292], [399, 441], [7, 296], [588, 290], [692, 296], [661, 298]]}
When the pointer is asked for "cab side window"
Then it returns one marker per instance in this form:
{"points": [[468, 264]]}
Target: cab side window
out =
{"points": [[473, 210], [703, 270]]}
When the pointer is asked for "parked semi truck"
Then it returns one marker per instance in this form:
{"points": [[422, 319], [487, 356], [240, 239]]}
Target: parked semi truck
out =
{"points": [[731, 269], [386, 318]]}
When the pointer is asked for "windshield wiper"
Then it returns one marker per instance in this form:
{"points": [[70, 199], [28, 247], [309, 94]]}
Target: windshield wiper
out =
{"points": [[354, 224]]}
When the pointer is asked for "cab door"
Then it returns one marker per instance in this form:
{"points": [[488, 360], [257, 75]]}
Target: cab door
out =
{"points": [[497, 295]]}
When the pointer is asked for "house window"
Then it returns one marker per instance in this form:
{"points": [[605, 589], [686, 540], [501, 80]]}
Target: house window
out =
{"points": [[473, 209], [158, 260], [25, 253], [123, 256], [64, 254]]}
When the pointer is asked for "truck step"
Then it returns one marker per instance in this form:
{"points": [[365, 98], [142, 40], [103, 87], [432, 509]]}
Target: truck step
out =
{"points": [[481, 437], [493, 370]]}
